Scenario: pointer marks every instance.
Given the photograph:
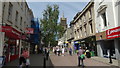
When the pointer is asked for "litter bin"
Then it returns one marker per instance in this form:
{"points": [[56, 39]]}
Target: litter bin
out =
{"points": [[92, 53]]}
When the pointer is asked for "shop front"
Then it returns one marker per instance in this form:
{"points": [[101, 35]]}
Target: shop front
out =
{"points": [[105, 47], [89, 43], [108, 43], [114, 34], [76, 45], [11, 43]]}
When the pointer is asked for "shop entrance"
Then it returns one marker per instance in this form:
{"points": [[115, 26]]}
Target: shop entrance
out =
{"points": [[11, 49], [107, 46]]}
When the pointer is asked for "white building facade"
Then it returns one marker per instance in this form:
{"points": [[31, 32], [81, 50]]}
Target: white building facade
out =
{"points": [[107, 28]]}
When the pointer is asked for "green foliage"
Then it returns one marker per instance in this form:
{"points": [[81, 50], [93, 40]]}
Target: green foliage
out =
{"points": [[50, 29]]}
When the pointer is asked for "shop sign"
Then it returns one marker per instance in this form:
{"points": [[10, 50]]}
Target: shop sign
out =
{"points": [[113, 33], [6, 29], [29, 30], [11, 32]]}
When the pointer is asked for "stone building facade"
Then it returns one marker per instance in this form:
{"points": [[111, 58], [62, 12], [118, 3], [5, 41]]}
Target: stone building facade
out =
{"points": [[15, 18], [84, 27]]}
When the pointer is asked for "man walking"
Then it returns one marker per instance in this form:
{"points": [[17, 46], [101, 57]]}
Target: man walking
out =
{"points": [[80, 56]]}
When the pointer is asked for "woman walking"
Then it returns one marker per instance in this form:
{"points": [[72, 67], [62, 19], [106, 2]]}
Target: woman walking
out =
{"points": [[24, 59]]}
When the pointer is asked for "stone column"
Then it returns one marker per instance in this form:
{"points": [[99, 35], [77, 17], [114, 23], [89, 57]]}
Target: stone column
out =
{"points": [[116, 43], [117, 50], [20, 46], [1, 43], [1, 33], [99, 49]]}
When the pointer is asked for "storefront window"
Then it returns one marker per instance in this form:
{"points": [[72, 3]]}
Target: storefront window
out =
{"points": [[12, 49], [5, 49], [17, 50]]}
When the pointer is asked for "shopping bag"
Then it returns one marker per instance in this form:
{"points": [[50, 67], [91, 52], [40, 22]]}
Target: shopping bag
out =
{"points": [[82, 56], [27, 62]]}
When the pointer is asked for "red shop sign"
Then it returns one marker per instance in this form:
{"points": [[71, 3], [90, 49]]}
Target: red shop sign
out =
{"points": [[6, 29], [11, 32], [29, 30], [113, 33]]}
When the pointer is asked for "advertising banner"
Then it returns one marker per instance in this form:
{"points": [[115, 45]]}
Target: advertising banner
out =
{"points": [[29, 30], [113, 33]]}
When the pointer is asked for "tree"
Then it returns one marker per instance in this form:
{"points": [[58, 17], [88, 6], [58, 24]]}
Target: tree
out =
{"points": [[50, 28]]}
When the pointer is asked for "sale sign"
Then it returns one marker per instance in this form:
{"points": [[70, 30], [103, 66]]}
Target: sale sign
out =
{"points": [[113, 33]]}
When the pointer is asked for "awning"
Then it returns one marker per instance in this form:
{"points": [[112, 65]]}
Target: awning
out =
{"points": [[11, 32]]}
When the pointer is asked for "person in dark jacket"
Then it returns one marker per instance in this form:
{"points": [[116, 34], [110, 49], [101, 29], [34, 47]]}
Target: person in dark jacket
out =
{"points": [[88, 55], [22, 61], [70, 51]]}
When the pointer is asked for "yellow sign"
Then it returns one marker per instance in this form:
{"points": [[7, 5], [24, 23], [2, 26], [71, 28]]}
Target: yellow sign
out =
{"points": [[66, 42]]}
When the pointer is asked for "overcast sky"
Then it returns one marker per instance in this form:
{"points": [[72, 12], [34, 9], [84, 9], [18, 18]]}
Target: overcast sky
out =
{"points": [[68, 8]]}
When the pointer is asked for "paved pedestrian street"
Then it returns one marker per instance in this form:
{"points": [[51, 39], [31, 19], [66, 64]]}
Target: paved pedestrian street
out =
{"points": [[36, 60], [54, 61], [71, 61]]}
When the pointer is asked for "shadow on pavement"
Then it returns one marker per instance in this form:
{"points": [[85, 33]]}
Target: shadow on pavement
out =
{"points": [[36, 61]]}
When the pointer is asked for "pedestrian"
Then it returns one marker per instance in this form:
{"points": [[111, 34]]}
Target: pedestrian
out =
{"points": [[53, 49], [70, 51], [47, 53], [25, 54], [22, 61], [88, 54], [63, 50], [81, 57], [57, 51], [36, 49], [60, 51]]}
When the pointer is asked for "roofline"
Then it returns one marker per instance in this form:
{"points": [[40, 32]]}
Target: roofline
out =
{"points": [[83, 11]]}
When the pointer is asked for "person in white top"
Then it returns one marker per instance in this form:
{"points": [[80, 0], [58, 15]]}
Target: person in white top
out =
{"points": [[63, 50], [53, 49], [57, 51]]}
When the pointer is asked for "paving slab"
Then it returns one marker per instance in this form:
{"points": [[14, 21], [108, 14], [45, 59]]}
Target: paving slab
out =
{"points": [[72, 62]]}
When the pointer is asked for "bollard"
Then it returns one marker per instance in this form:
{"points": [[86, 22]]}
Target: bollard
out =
{"points": [[44, 65]]}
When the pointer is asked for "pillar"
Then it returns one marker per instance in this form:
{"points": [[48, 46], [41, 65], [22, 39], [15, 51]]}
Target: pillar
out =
{"points": [[117, 50], [1, 33], [99, 49], [1, 43], [117, 53], [20, 46]]}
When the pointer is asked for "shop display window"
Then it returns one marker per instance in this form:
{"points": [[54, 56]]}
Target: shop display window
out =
{"points": [[17, 50], [12, 49], [5, 47]]}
